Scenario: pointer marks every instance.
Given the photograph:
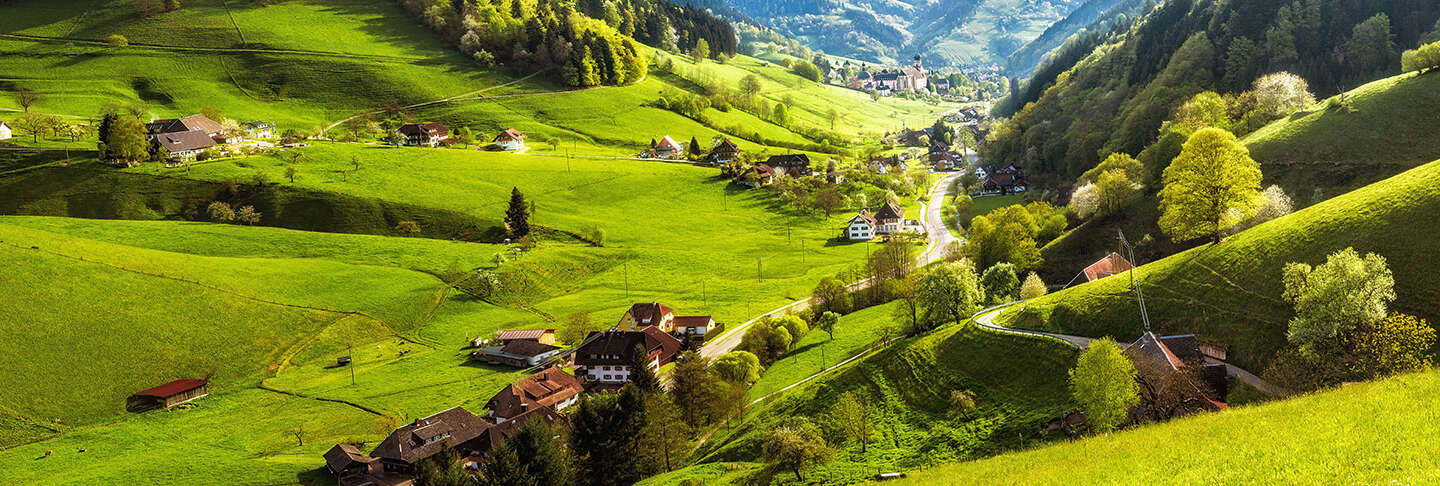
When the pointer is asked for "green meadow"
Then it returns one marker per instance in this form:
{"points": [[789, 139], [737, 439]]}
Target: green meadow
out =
{"points": [[1368, 433], [855, 333], [1230, 293]]}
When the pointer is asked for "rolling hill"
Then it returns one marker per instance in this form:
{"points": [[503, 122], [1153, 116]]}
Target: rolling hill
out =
{"points": [[1230, 293], [1371, 433]]}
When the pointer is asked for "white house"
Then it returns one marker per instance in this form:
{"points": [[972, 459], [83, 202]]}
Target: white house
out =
{"points": [[890, 218], [604, 357], [861, 227], [510, 139], [667, 148], [260, 129], [5, 133]]}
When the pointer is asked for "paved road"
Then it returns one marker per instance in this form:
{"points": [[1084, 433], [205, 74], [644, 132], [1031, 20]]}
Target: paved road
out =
{"points": [[939, 237]]}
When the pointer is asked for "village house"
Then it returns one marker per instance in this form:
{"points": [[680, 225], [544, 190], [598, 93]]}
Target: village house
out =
{"points": [[760, 174], [197, 122], [183, 145], [791, 165], [5, 133], [1108, 265], [648, 314], [862, 226], [691, 330], [668, 148], [510, 139], [553, 387], [1178, 361], [351, 468], [424, 134], [1001, 179], [259, 129], [518, 353], [604, 358], [889, 219], [169, 395], [723, 152], [456, 428]]}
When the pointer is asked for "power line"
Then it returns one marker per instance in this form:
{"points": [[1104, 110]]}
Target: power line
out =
{"points": [[1139, 296]]}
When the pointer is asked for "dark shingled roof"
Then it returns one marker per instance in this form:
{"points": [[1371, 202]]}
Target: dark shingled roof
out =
{"points": [[890, 211], [616, 347], [527, 348], [650, 313], [172, 388], [789, 161], [726, 146], [343, 457], [424, 129], [427, 436]]}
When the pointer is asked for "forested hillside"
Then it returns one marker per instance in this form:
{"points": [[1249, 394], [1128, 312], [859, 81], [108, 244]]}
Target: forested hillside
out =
{"points": [[1092, 16], [1116, 98]]}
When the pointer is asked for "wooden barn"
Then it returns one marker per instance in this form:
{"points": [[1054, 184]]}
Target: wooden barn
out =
{"points": [[168, 395]]}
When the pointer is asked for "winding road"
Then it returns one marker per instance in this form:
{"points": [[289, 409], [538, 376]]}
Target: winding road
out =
{"points": [[939, 239]]}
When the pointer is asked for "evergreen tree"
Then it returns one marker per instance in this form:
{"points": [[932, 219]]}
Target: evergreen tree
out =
{"points": [[641, 376], [695, 149], [103, 133], [517, 217]]}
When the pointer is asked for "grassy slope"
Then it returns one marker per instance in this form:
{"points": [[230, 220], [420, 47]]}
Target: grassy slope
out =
{"points": [[1231, 293], [1334, 150], [854, 333], [1020, 384], [1372, 433]]}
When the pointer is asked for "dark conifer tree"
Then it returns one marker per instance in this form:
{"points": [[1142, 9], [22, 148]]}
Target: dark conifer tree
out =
{"points": [[517, 217]]}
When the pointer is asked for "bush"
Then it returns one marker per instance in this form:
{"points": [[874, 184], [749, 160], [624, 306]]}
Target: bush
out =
{"points": [[1422, 60], [117, 40]]}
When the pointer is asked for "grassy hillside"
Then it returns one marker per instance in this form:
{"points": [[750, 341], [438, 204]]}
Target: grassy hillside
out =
{"points": [[1372, 433], [1335, 148], [1019, 382], [1230, 293]]}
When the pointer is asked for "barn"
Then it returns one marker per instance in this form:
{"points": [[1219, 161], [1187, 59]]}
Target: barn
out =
{"points": [[168, 395]]}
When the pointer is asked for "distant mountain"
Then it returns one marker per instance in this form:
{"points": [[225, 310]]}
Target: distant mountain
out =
{"points": [[1093, 15], [943, 32]]}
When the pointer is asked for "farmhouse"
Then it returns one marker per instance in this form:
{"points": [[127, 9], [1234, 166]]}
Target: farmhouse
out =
{"points": [[183, 145], [510, 139], [519, 353], [723, 152], [5, 132], [1001, 179], [648, 314], [168, 395], [190, 123], [667, 148], [862, 226], [793, 165], [345, 462], [553, 388], [760, 174], [1109, 265], [424, 134], [542, 336], [455, 428], [604, 358], [890, 218], [1162, 360], [691, 329], [259, 129]]}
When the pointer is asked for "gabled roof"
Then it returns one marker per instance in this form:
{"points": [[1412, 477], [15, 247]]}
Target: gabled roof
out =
{"points": [[202, 122], [172, 388], [424, 129], [1149, 346], [185, 141], [615, 347], [865, 216], [1185, 347], [890, 211], [515, 334], [184, 124], [526, 348], [508, 135], [913, 72], [544, 389], [257, 125], [1105, 267], [725, 145], [789, 160], [667, 143], [427, 436], [763, 169], [694, 321], [650, 313], [345, 456]]}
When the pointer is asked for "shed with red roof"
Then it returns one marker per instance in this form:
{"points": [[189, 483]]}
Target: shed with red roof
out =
{"points": [[168, 395]]}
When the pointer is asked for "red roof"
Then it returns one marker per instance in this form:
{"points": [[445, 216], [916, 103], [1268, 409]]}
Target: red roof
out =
{"points": [[1110, 265], [524, 334], [693, 321], [508, 135], [173, 388]]}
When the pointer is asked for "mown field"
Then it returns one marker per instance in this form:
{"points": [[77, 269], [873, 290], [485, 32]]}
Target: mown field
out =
{"points": [[1230, 293], [1019, 382], [1370, 433]]}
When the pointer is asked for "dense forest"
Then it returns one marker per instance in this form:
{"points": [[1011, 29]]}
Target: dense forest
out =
{"points": [[586, 43], [1113, 90]]}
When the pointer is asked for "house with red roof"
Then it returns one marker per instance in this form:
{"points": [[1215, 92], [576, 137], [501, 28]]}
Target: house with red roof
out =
{"points": [[425, 134], [1175, 370], [542, 336], [510, 139], [169, 395], [668, 148], [554, 388], [648, 314], [1111, 264]]}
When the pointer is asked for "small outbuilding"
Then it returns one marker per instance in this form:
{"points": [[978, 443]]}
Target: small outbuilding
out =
{"points": [[168, 395]]}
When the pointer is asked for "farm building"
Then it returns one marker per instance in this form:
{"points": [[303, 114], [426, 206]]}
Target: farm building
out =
{"points": [[692, 329], [862, 226], [510, 139], [1179, 361], [760, 174], [668, 148], [1109, 265], [455, 428], [519, 353], [552, 388], [604, 359], [424, 134], [648, 314], [793, 165], [723, 152], [542, 336], [168, 395], [260, 129], [183, 145], [191, 123]]}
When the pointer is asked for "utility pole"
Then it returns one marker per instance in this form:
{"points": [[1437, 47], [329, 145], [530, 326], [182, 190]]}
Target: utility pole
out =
{"points": [[350, 346], [1139, 296], [627, 280], [759, 277], [802, 252]]}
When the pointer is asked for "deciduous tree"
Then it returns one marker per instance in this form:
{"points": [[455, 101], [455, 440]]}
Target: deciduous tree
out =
{"points": [[1346, 293], [1033, 287], [962, 403], [795, 445], [948, 292], [852, 418], [1210, 187], [1000, 283], [1103, 383], [27, 97], [738, 367]]}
